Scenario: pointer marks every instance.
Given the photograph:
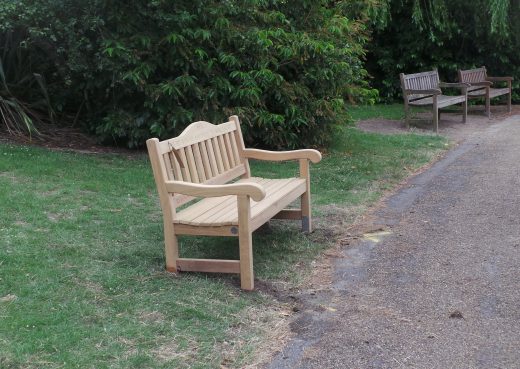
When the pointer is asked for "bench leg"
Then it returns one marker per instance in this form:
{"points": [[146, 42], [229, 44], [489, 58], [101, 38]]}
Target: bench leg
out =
{"points": [[305, 199], [171, 247], [406, 115], [465, 111], [435, 115], [509, 102], [245, 241], [488, 104]]}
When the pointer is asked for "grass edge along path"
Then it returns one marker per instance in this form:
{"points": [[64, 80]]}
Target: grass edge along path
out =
{"points": [[82, 282]]}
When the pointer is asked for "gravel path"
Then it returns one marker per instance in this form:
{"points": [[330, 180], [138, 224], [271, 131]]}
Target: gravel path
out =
{"points": [[439, 287]]}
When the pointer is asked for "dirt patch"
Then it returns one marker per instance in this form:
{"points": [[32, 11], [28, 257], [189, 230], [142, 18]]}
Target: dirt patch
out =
{"points": [[63, 138], [450, 124]]}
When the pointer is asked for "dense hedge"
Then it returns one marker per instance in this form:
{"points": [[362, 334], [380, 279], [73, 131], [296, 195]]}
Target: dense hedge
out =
{"points": [[128, 70], [447, 35]]}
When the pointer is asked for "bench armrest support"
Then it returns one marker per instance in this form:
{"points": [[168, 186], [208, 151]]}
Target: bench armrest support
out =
{"points": [[435, 91], [254, 190], [309, 154]]}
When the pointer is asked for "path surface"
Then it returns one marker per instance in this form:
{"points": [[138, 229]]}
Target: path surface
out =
{"points": [[442, 288]]}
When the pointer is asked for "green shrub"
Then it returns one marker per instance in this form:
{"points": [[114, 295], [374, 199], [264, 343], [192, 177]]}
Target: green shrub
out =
{"points": [[137, 69]]}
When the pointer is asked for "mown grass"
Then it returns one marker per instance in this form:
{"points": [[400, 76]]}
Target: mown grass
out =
{"points": [[82, 282], [386, 111]]}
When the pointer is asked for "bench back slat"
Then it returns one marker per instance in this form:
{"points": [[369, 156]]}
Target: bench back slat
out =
{"points": [[419, 81], [202, 153], [473, 75]]}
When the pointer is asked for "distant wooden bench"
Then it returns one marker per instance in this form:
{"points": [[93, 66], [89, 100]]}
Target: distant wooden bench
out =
{"points": [[481, 86], [423, 89], [200, 163]]}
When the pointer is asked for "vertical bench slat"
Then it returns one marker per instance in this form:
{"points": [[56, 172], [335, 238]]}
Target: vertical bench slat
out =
{"points": [[205, 160], [191, 165], [218, 155], [176, 167], [211, 153], [198, 162], [170, 172], [229, 151], [234, 148], [185, 171], [222, 147]]}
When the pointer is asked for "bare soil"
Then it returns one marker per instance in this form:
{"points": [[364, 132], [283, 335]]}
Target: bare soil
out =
{"points": [[450, 124]]}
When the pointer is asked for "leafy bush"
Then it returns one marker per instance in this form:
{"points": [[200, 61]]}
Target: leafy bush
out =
{"points": [[133, 70]]}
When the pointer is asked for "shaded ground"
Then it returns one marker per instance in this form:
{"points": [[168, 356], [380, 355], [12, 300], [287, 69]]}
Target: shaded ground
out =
{"points": [[450, 124], [63, 138]]}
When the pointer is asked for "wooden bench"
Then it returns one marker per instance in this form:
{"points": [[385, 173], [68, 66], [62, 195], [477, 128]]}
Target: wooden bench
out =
{"points": [[210, 163], [481, 86], [423, 89]]}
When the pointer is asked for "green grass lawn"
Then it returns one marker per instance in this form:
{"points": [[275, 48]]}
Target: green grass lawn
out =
{"points": [[82, 281], [386, 111]]}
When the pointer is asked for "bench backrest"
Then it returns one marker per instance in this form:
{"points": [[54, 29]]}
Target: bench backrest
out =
{"points": [[202, 153], [472, 76], [419, 81]]}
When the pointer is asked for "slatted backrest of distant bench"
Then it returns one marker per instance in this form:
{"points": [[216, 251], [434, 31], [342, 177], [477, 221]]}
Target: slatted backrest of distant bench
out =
{"points": [[204, 153], [473, 76], [419, 81]]}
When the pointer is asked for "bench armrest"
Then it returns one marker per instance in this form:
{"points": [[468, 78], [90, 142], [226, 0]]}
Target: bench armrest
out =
{"points": [[312, 155], [254, 190], [434, 91], [499, 79], [481, 83], [455, 85]]}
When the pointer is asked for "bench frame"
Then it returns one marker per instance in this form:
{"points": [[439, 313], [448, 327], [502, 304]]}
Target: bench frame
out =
{"points": [[422, 89], [481, 86], [200, 163]]}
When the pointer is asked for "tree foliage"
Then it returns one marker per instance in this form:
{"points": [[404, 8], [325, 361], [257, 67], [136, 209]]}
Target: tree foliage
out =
{"points": [[135, 69], [447, 35]]}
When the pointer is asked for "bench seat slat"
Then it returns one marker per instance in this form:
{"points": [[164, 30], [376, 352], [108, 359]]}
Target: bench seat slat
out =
{"points": [[493, 92], [442, 100], [223, 210]]}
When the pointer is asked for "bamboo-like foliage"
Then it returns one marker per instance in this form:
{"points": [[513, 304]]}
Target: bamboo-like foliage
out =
{"points": [[419, 35]]}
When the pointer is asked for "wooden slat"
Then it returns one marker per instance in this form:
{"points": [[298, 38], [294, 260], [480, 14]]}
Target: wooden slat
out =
{"points": [[218, 154], [208, 265], [168, 166], [294, 214], [229, 151], [198, 162], [185, 171], [205, 160], [223, 152], [192, 166], [176, 168], [211, 154], [227, 231], [234, 148]]}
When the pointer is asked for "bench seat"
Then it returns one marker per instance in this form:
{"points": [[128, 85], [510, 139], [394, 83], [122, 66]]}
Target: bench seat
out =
{"points": [[442, 101], [223, 210], [493, 92]]}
